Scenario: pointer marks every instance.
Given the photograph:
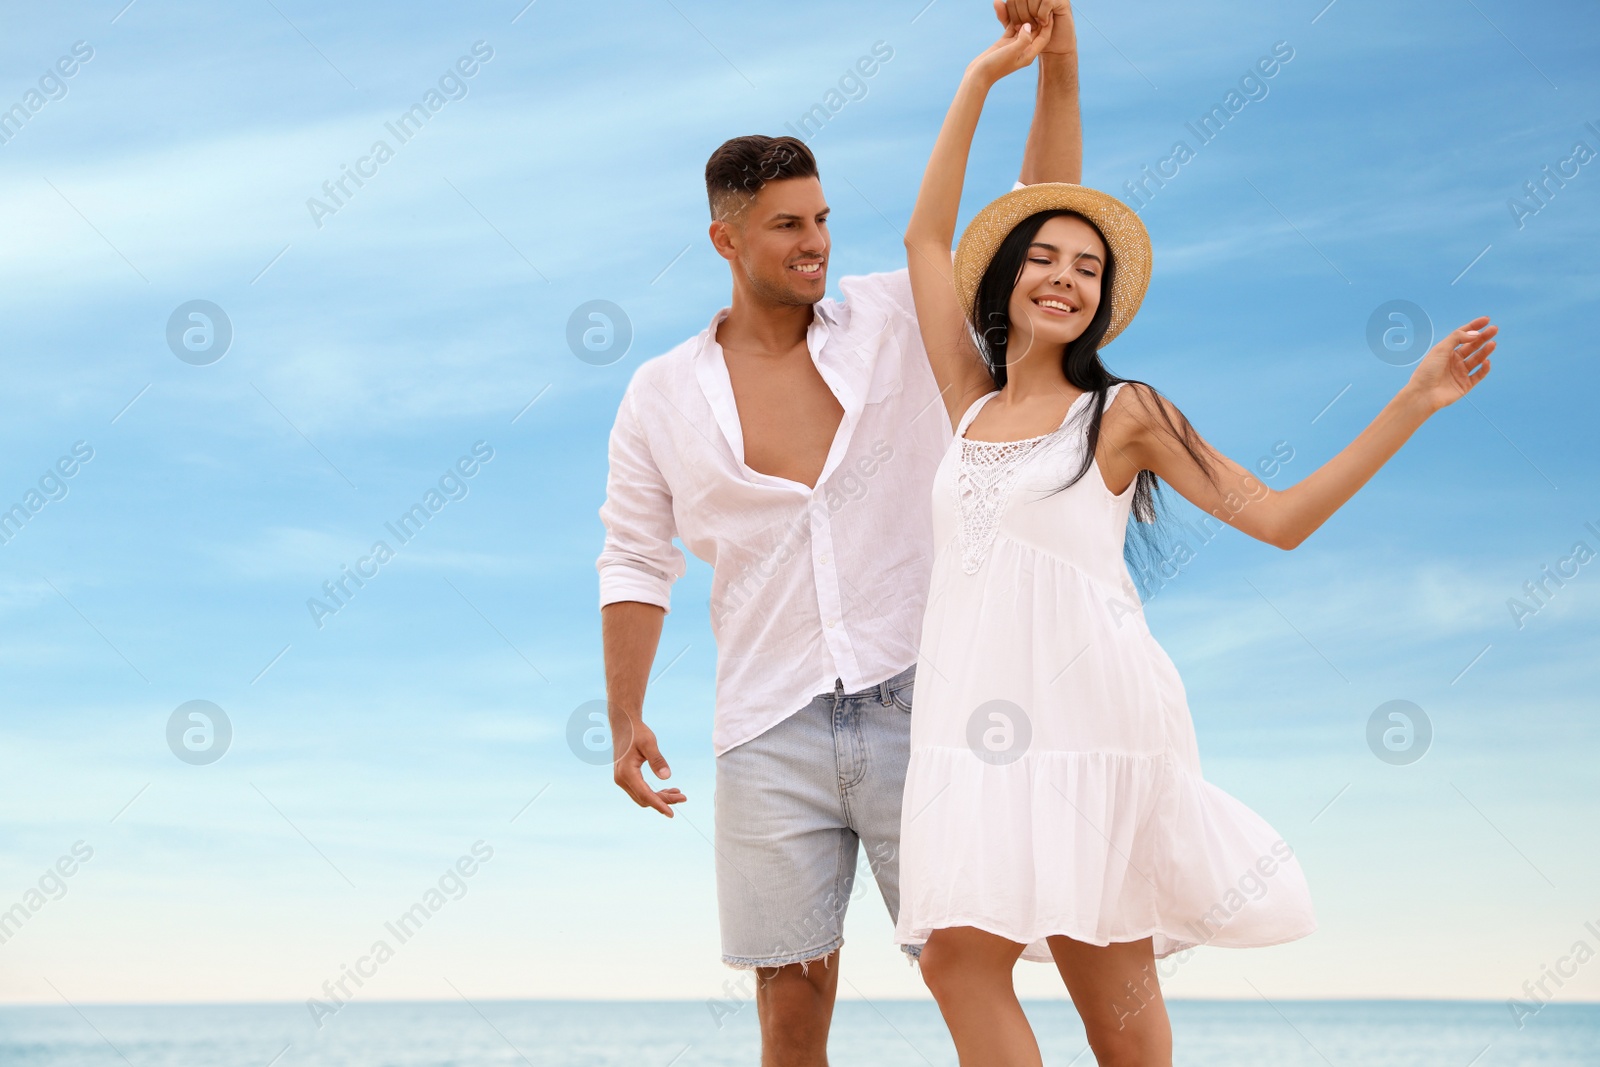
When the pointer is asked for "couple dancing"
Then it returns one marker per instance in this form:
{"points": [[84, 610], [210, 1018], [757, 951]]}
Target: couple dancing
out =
{"points": [[927, 487]]}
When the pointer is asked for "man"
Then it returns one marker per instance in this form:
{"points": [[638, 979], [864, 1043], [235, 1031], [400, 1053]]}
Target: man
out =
{"points": [[792, 445]]}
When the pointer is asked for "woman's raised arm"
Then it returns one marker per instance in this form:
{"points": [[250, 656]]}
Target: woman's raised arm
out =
{"points": [[930, 234]]}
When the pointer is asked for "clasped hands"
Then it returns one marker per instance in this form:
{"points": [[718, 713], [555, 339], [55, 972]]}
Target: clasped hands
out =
{"points": [[1049, 31]]}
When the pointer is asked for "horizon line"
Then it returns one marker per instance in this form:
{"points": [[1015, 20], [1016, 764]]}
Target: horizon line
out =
{"points": [[1353, 999]]}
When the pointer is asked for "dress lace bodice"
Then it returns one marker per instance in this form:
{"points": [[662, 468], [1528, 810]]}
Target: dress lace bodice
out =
{"points": [[985, 474]]}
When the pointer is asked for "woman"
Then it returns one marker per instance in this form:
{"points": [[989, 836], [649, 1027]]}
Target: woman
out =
{"points": [[1054, 808]]}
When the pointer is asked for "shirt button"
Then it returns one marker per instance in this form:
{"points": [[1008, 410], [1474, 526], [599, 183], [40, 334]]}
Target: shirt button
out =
{"points": [[823, 558], [832, 623]]}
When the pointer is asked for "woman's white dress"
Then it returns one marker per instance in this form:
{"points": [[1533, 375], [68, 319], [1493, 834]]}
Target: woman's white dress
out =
{"points": [[1054, 785]]}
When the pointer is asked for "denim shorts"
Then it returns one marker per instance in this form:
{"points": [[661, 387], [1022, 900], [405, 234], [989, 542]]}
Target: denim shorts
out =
{"points": [[794, 805]]}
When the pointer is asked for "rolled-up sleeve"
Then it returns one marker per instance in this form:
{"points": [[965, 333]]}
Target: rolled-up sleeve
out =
{"points": [[639, 561]]}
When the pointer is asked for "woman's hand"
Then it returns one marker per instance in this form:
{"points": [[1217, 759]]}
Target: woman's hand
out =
{"points": [[1056, 13], [1015, 49], [1454, 366]]}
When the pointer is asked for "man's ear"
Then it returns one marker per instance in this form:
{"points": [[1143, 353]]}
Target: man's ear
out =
{"points": [[724, 238]]}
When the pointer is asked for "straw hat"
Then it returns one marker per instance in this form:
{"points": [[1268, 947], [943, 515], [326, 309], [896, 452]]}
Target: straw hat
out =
{"points": [[1130, 244]]}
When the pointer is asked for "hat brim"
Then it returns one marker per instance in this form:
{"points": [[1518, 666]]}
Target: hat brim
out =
{"points": [[1123, 231]]}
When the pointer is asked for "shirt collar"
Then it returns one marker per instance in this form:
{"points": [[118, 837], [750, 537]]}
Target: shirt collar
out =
{"points": [[711, 371], [824, 322]]}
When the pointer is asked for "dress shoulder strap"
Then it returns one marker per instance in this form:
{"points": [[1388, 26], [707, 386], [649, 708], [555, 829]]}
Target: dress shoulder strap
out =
{"points": [[972, 412]]}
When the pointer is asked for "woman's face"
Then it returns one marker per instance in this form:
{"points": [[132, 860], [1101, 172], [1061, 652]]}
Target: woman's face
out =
{"points": [[1056, 296]]}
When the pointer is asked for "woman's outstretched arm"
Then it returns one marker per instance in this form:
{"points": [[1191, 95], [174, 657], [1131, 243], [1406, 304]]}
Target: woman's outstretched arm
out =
{"points": [[931, 232], [1137, 438]]}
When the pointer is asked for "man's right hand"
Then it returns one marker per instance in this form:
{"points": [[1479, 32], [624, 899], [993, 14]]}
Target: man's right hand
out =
{"points": [[633, 744]]}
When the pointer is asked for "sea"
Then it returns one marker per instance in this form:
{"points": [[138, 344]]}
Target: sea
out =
{"points": [[482, 1033]]}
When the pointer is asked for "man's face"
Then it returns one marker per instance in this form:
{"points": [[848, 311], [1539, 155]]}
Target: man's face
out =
{"points": [[780, 241]]}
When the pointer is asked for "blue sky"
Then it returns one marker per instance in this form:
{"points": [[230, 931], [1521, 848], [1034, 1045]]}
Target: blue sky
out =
{"points": [[429, 313]]}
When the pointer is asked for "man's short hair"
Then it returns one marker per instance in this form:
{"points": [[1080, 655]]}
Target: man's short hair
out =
{"points": [[738, 169]]}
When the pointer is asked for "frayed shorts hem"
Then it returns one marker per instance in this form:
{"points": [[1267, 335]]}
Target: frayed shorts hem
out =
{"points": [[810, 956], [746, 963]]}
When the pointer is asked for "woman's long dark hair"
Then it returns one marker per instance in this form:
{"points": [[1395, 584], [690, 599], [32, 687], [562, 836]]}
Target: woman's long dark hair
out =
{"points": [[991, 325]]}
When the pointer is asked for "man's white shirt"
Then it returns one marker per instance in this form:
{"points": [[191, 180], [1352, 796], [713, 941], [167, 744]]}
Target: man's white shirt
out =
{"points": [[810, 586]]}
